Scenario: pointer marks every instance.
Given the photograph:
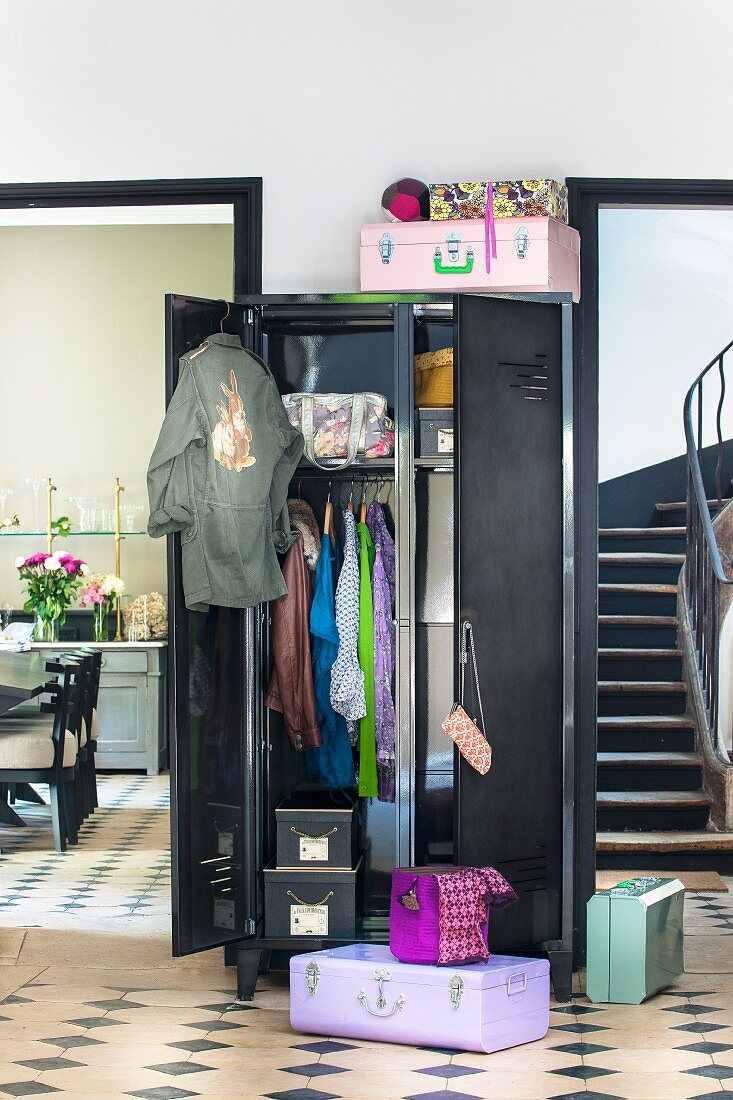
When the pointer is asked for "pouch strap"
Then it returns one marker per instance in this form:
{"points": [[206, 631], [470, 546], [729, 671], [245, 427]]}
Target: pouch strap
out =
{"points": [[467, 643]]}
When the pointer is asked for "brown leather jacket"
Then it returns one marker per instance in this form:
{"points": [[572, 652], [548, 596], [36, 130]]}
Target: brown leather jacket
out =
{"points": [[290, 690]]}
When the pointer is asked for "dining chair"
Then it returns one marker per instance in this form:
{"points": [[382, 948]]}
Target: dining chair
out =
{"points": [[80, 723], [36, 752], [91, 723]]}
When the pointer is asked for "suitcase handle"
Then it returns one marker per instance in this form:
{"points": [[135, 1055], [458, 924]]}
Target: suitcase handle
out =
{"points": [[517, 978], [453, 269], [398, 1005]]}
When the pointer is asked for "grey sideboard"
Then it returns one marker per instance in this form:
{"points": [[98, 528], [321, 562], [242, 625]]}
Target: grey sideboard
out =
{"points": [[133, 730]]}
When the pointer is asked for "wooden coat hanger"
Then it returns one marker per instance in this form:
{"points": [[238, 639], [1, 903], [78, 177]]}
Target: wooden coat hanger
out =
{"points": [[363, 509], [328, 515]]}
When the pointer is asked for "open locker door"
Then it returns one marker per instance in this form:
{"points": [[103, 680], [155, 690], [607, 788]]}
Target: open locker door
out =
{"points": [[509, 570], [211, 715]]}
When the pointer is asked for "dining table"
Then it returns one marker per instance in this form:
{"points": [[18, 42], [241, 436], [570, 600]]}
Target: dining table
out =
{"points": [[22, 677]]}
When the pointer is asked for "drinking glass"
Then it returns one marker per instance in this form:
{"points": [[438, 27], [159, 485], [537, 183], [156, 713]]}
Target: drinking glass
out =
{"points": [[6, 615], [86, 506], [130, 512], [4, 495], [137, 629], [36, 483]]}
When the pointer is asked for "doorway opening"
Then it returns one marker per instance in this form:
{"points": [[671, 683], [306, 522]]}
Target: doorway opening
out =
{"points": [[83, 273], [655, 309]]}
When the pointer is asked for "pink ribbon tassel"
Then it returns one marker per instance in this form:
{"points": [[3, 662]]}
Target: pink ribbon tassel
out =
{"points": [[489, 227]]}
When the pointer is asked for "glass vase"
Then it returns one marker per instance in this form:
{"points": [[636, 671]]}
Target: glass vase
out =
{"points": [[45, 630], [100, 613]]}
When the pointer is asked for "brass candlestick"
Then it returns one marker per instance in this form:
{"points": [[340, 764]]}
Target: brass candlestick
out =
{"points": [[50, 490], [118, 556]]}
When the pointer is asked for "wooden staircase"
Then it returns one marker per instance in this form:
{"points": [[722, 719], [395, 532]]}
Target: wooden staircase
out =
{"points": [[651, 808]]}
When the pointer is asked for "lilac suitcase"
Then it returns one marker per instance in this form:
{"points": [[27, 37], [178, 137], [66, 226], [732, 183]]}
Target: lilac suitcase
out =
{"points": [[363, 992], [533, 254]]}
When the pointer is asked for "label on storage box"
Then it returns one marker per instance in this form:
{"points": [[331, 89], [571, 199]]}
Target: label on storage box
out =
{"points": [[308, 920], [445, 441], [314, 849]]}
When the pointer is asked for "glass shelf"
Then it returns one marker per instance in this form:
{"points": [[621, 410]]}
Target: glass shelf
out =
{"points": [[12, 533]]}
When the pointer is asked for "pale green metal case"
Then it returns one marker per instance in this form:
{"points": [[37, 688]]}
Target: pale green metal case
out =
{"points": [[635, 939]]}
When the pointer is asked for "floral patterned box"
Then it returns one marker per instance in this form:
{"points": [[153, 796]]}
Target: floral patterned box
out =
{"points": [[512, 199]]}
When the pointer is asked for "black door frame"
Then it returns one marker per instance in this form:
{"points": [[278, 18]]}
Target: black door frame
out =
{"points": [[244, 194], [586, 197]]}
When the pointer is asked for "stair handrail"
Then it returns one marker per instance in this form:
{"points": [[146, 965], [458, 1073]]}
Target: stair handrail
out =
{"points": [[704, 570]]}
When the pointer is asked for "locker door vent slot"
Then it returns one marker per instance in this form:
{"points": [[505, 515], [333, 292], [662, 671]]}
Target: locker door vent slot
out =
{"points": [[532, 380], [530, 873]]}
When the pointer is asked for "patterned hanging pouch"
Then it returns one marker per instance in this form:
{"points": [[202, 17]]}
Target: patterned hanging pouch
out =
{"points": [[464, 731]]}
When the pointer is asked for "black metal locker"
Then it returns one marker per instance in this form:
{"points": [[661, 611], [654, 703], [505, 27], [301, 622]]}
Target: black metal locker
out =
{"points": [[513, 505]]}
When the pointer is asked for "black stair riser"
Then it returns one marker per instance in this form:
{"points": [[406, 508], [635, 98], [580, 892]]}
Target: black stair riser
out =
{"points": [[722, 862], [613, 778], [646, 741], [637, 637], [625, 603], [627, 703], [674, 819], [638, 573], [639, 668], [640, 544]]}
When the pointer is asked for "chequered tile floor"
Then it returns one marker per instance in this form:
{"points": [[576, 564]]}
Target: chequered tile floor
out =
{"points": [[92, 1005]]}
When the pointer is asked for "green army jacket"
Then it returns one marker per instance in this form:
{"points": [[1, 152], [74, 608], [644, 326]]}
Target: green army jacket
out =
{"points": [[219, 474]]}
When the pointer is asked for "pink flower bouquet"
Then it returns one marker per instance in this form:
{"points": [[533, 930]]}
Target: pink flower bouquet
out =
{"points": [[51, 583], [100, 593]]}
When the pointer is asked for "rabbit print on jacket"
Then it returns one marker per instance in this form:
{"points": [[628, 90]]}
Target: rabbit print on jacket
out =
{"points": [[231, 437], [219, 475]]}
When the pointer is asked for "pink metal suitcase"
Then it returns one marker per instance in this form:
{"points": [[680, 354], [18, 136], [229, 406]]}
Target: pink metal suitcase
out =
{"points": [[363, 992], [532, 254]]}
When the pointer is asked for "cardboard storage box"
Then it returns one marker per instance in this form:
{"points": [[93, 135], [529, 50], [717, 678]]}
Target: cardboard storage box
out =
{"points": [[434, 432], [512, 199], [316, 904], [312, 835]]}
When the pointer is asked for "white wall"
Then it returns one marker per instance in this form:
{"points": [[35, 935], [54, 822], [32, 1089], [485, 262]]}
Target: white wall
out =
{"points": [[665, 310], [330, 100], [81, 372]]}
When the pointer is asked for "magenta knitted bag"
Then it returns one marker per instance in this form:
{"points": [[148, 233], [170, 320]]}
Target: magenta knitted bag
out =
{"points": [[440, 915]]}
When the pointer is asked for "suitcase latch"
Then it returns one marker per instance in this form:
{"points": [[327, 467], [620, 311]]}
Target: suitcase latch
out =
{"points": [[455, 988], [380, 976], [521, 242], [312, 976], [386, 247]]}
